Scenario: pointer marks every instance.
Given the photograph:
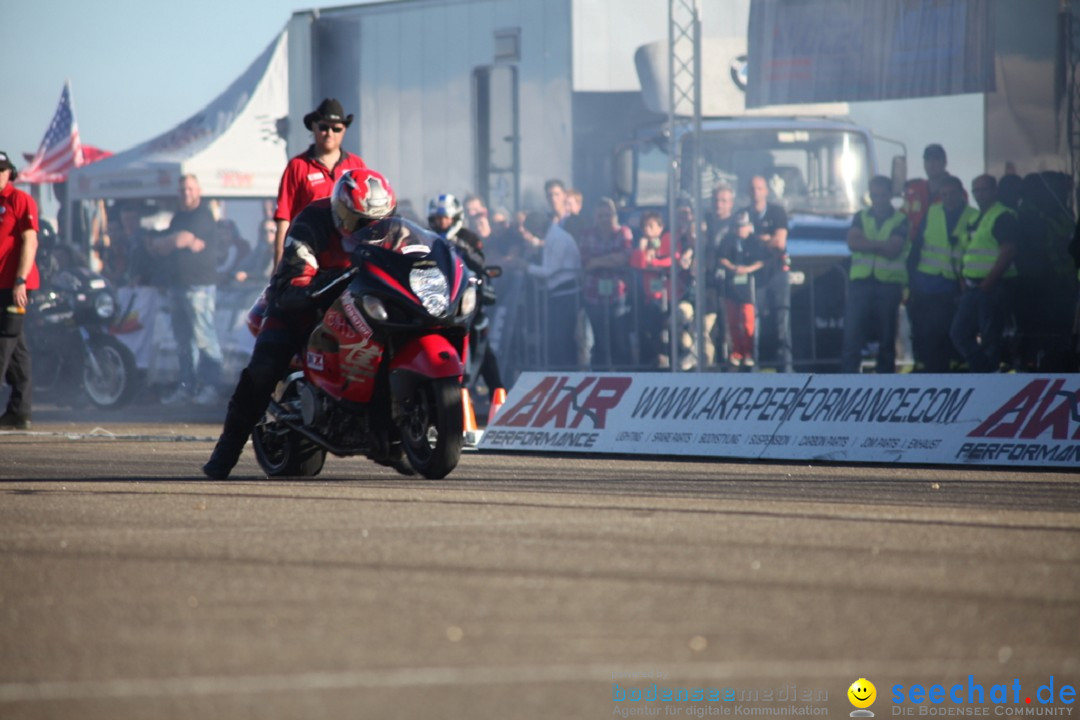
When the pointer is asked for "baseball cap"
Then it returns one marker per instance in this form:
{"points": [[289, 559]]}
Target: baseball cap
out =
{"points": [[742, 218], [5, 162]]}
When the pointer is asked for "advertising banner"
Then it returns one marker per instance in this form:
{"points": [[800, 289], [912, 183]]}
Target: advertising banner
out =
{"points": [[1031, 420], [812, 51]]}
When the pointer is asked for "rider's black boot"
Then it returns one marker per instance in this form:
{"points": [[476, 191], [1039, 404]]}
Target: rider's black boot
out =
{"points": [[244, 411], [225, 456]]}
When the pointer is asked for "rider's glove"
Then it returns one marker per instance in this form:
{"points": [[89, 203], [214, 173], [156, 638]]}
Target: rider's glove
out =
{"points": [[299, 293]]}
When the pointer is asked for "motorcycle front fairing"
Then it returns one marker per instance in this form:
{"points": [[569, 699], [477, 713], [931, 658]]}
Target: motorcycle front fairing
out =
{"points": [[343, 355], [75, 297], [411, 300]]}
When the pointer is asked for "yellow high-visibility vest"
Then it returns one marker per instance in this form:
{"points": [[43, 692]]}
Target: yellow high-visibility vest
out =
{"points": [[864, 264], [939, 256], [982, 248]]}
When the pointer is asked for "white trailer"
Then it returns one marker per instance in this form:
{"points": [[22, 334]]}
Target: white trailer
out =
{"points": [[497, 96], [486, 96]]}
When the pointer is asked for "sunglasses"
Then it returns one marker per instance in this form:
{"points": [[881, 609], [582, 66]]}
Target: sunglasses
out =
{"points": [[323, 127]]}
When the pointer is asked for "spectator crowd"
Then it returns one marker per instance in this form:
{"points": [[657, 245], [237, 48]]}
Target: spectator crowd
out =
{"points": [[979, 277]]}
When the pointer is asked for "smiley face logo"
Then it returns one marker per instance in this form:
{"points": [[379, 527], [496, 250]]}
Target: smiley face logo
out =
{"points": [[862, 693]]}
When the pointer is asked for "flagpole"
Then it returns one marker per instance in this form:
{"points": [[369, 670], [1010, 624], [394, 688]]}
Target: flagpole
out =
{"points": [[68, 235]]}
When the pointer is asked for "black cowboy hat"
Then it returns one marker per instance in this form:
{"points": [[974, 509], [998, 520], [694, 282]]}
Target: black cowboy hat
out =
{"points": [[329, 110]]}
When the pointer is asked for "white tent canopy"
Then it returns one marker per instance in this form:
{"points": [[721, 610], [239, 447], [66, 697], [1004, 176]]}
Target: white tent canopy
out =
{"points": [[232, 145]]}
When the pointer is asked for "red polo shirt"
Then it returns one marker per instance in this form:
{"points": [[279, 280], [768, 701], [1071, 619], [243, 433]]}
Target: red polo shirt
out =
{"points": [[18, 213], [306, 180]]}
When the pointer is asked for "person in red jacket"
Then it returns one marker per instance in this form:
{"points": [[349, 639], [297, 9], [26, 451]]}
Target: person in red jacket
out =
{"points": [[18, 276], [311, 175]]}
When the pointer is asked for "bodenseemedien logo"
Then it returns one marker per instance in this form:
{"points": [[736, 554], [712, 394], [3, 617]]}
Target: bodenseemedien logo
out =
{"points": [[862, 695], [707, 701]]}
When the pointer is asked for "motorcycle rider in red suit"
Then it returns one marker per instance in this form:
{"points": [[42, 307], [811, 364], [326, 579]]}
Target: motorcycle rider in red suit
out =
{"points": [[316, 252]]}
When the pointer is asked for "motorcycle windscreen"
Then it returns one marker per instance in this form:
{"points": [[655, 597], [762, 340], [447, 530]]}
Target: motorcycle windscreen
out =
{"points": [[392, 233]]}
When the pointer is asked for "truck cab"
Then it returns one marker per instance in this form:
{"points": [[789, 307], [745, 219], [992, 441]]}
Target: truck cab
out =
{"points": [[817, 163], [818, 169]]}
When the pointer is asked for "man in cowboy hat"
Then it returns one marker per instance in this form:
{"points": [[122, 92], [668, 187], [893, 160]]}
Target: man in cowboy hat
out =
{"points": [[18, 276], [311, 175]]}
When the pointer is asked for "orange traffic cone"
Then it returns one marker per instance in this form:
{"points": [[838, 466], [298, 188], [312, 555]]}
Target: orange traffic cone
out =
{"points": [[469, 423], [498, 397]]}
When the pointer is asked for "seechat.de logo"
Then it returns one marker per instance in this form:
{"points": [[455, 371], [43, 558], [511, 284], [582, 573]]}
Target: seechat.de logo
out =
{"points": [[1002, 699]]}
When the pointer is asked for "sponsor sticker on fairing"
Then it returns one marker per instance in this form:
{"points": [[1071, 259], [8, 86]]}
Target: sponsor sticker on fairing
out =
{"points": [[356, 318]]}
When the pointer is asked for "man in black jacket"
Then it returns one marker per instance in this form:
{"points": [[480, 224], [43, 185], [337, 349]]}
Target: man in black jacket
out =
{"points": [[189, 250], [773, 288]]}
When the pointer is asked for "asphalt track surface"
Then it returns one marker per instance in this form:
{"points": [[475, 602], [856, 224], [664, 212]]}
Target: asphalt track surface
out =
{"points": [[519, 587]]}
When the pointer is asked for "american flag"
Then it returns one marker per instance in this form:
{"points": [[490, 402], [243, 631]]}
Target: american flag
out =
{"points": [[60, 150]]}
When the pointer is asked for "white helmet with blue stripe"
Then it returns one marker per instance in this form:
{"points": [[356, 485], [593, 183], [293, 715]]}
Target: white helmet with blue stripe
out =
{"points": [[446, 205]]}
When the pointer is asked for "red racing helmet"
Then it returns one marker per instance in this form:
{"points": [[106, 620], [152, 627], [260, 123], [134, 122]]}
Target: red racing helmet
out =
{"points": [[360, 197]]}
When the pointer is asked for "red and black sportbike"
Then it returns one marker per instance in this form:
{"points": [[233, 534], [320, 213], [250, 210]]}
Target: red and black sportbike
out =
{"points": [[381, 374]]}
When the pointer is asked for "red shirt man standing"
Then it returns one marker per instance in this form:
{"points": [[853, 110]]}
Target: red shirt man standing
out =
{"points": [[18, 276], [311, 175]]}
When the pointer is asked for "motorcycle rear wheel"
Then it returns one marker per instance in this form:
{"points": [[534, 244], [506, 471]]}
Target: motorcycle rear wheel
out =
{"points": [[431, 427], [113, 383], [283, 452]]}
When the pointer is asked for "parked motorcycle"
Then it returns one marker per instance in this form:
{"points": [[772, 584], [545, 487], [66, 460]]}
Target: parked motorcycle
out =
{"points": [[70, 347], [381, 374]]}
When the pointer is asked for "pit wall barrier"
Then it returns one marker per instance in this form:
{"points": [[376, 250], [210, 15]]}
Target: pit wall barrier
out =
{"points": [[144, 324], [970, 420]]}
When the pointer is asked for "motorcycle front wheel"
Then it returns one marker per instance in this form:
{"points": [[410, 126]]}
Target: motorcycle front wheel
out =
{"points": [[109, 374], [431, 427], [283, 452]]}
